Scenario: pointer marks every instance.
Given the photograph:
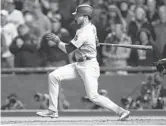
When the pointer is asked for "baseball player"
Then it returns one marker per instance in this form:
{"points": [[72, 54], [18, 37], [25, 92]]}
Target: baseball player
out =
{"points": [[86, 67]]}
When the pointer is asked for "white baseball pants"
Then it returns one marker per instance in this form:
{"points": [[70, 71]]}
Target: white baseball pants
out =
{"points": [[89, 72]]}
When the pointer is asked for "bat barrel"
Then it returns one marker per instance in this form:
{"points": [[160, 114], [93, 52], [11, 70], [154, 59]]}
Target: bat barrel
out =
{"points": [[143, 47]]}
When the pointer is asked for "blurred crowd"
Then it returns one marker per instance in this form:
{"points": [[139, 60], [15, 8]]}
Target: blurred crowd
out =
{"points": [[41, 100], [24, 22], [151, 94]]}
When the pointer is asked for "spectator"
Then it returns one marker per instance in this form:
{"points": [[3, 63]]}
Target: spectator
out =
{"points": [[33, 27], [15, 16], [127, 11], [24, 47], [54, 9], [9, 32], [84, 2], [3, 4], [100, 21], [63, 103], [115, 17], [161, 66], [67, 7], [12, 103], [145, 91], [41, 20], [116, 56], [133, 29], [139, 22], [156, 92], [152, 14], [28, 5], [136, 104], [140, 3], [45, 5], [43, 100], [160, 30], [146, 86], [51, 55], [19, 4], [131, 12], [146, 57], [90, 105], [130, 103], [152, 92]]}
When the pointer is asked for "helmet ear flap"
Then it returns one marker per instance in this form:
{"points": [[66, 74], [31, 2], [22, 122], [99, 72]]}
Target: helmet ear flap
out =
{"points": [[89, 17]]}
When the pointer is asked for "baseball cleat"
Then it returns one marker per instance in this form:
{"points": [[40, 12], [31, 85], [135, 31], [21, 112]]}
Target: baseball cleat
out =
{"points": [[48, 113], [124, 115]]}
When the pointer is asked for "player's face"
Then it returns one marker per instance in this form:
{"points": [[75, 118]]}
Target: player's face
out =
{"points": [[79, 19]]}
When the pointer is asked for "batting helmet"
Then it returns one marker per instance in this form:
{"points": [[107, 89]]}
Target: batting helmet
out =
{"points": [[84, 9]]}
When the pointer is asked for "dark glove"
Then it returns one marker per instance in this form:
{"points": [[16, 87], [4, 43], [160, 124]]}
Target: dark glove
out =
{"points": [[160, 65], [53, 37]]}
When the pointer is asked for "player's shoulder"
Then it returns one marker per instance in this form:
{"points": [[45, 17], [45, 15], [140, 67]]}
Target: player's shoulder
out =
{"points": [[90, 29], [92, 26]]}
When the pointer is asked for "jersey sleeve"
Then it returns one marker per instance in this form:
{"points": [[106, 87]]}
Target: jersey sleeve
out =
{"points": [[78, 40]]}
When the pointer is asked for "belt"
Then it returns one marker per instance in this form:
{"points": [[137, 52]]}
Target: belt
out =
{"points": [[82, 59]]}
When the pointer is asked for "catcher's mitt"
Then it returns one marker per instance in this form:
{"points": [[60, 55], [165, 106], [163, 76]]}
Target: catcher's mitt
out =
{"points": [[161, 66]]}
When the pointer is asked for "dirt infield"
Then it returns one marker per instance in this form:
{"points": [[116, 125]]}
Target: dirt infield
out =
{"points": [[87, 120]]}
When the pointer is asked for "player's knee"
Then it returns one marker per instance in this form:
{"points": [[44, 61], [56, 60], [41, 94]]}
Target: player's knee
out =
{"points": [[50, 76], [53, 76]]}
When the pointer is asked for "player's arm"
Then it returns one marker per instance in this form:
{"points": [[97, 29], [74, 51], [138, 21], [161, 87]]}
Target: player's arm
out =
{"points": [[65, 47]]}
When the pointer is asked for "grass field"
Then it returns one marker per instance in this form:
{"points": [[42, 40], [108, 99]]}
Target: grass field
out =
{"points": [[84, 120]]}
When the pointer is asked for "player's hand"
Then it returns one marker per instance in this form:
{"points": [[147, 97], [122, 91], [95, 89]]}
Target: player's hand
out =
{"points": [[53, 37], [51, 43]]}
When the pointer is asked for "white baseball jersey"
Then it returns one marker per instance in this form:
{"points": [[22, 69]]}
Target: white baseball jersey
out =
{"points": [[85, 41]]}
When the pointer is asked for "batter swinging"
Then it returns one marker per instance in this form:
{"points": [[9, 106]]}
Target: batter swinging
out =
{"points": [[86, 67]]}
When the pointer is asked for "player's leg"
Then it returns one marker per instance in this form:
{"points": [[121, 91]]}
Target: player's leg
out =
{"points": [[90, 75], [54, 78]]}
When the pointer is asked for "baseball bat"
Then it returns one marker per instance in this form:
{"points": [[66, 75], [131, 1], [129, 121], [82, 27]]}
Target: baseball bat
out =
{"points": [[143, 47]]}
